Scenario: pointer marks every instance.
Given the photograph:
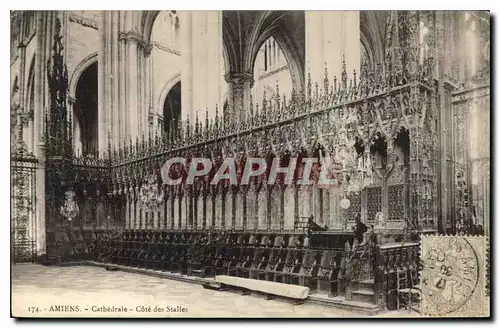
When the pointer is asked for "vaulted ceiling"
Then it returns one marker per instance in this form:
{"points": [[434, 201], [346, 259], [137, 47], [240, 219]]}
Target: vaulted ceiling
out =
{"points": [[245, 31]]}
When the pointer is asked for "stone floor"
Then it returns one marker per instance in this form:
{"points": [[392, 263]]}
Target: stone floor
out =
{"points": [[38, 290]]}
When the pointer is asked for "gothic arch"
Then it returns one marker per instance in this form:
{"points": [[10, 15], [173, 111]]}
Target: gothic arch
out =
{"points": [[166, 89], [295, 62], [371, 34], [80, 68], [147, 22], [270, 24]]}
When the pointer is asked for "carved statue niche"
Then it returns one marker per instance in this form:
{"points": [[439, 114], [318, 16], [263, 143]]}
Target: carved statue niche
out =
{"points": [[378, 151], [263, 198], [402, 145]]}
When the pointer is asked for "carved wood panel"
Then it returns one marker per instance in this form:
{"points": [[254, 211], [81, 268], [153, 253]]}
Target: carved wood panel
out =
{"points": [[373, 202], [355, 207], [395, 202]]}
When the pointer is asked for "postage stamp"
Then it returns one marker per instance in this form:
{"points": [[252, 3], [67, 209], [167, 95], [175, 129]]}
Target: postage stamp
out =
{"points": [[453, 276]]}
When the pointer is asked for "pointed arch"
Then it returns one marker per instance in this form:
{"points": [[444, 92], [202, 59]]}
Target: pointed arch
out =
{"points": [[80, 68], [166, 89]]}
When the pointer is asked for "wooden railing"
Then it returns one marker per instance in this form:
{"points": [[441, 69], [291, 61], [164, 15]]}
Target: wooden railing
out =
{"points": [[389, 259]]}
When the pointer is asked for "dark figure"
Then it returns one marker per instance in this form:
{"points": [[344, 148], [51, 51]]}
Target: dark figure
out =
{"points": [[359, 229]]}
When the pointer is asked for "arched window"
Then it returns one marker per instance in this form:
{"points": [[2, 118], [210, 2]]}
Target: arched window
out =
{"points": [[272, 74], [172, 108], [85, 111]]}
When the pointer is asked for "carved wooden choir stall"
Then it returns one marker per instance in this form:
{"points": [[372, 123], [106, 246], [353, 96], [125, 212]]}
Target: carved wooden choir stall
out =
{"points": [[374, 134]]}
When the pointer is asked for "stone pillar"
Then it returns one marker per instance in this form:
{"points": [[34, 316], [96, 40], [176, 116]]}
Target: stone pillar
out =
{"points": [[218, 209], [168, 210], [228, 209], [262, 202], [251, 208], [101, 89], [132, 88], [44, 39], [76, 131], [201, 41], [112, 48], [40, 203], [109, 81], [330, 37], [276, 202], [200, 61], [200, 216], [148, 90], [209, 210], [215, 59], [187, 66], [239, 92], [239, 207], [289, 208], [122, 100]]}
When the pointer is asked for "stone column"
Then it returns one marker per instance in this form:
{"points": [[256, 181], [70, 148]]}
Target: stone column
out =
{"points": [[200, 208], [187, 64], [132, 86], [239, 92], [109, 80], [289, 208], [229, 205], [262, 208], [122, 81], [218, 209], [44, 35], [214, 57], [115, 121], [101, 89], [40, 203], [201, 41], [148, 90], [239, 209], [209, 210]]}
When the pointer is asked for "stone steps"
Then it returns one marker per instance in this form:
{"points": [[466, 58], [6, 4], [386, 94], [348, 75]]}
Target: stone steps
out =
{"points": [[367, 296]]}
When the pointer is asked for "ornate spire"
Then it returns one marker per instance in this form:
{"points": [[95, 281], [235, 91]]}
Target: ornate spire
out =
{"points": [[57, 77], [207, 124], [344, 73], [278, 100], [325, 80], [197, 127], [309, 85], [216, 123], [251, 108]]}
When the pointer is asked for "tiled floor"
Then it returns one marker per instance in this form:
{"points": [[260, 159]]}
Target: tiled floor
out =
{"points": [[40, 288]]}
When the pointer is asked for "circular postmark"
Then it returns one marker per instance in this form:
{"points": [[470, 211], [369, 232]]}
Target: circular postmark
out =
{"points": [[449, 275]]}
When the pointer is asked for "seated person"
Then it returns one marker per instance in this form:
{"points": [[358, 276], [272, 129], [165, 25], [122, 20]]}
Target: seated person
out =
{"points": [[359, 229]]}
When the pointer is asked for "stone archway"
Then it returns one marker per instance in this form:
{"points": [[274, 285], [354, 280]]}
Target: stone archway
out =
{"points": [[85, 111], [244, 32], [172, 108], [78, 71]]}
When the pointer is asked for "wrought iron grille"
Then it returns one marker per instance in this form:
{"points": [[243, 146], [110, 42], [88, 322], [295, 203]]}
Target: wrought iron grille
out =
{"points": [[23, 206]]}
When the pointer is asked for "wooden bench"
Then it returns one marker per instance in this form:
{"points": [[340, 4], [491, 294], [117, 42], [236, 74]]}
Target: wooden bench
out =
{"points": [[266, 287]]}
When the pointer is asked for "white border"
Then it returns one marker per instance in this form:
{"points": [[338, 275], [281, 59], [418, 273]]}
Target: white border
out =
{"points": [[199, 5]]}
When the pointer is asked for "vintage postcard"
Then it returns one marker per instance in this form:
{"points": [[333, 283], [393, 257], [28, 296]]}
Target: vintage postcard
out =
{"points": [[250, 164]]}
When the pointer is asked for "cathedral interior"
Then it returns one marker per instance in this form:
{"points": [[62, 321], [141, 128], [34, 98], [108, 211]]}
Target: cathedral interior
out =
{"points": [[100, 100]]}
